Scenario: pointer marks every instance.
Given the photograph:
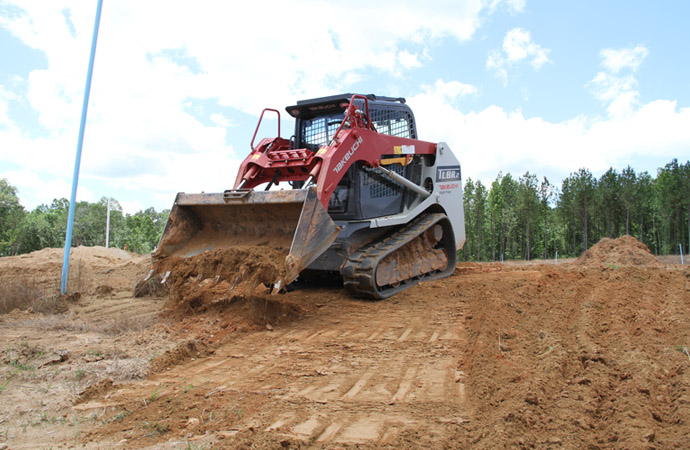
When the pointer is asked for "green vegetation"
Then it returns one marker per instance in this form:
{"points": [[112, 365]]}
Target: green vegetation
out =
{"points": [[528, 218], [24, 367], [191, 446], [26, 231], [156, 428], [121, 415], [154, 395], [522, 218]]}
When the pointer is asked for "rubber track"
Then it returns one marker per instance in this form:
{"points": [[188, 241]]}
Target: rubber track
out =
{"points": [[360, 269]]}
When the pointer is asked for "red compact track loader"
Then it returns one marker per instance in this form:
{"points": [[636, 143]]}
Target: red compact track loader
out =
{"points": [[366, 199]]}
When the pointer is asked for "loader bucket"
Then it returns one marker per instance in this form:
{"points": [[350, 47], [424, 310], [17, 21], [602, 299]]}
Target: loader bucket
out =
{"points": [[289, 219]]}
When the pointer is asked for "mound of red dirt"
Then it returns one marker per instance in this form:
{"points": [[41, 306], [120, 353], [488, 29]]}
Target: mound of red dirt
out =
{"points": [[92, 269], [222, 274], [565, 358], [624, 251]]}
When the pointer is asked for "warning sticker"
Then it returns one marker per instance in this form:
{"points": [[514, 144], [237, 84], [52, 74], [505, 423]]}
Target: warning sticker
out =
{"points": [[403, 149]]}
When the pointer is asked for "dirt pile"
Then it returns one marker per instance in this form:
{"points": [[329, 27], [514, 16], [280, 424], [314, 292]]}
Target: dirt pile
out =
{"points": [[91, 269], [624, 251], [57, 350], [566, 357], [216, 293], [592, 355], [222, 275]]}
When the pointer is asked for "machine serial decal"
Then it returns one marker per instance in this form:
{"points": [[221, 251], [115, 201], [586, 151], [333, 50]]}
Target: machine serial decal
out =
{"points": [[348, 155], [447, 173]]}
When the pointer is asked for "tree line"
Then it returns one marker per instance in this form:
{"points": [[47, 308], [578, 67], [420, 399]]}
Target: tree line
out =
{"points": [[24, 231], [529, 217], [523, 218]]}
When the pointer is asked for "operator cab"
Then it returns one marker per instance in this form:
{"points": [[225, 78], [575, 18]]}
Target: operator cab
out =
{"points": [[361, 193], [316, 120]]}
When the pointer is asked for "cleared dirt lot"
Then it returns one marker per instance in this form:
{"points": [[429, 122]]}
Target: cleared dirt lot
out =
{"points": [[590, 353]]}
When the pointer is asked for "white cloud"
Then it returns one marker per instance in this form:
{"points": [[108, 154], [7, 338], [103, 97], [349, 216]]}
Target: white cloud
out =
{"points": [[408, 60], [222, 121], [33, 189], [449, 91], [496, 62], [154, 57], [624, 104], [616, 60], [515, 6], [5, 97], [517, 47], [495, 140], [607, 87], [618, 91], [131, 207]]}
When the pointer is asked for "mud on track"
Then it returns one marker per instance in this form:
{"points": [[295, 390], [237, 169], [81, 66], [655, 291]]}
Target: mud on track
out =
{"points": [[496, 356]]}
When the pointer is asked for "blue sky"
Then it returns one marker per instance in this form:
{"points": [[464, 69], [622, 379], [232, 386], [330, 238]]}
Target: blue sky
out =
{"points": [[511, 85]]}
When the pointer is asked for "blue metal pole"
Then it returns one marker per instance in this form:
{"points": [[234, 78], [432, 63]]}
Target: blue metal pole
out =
{"points": [[77, 162], [681, 253]]}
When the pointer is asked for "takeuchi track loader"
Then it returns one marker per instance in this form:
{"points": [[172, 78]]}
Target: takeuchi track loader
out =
{"points": [[362, 196]]}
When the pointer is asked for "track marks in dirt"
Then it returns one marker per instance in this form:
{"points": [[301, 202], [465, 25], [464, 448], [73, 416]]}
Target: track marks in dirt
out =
{"points": [[346, 429], [339, 363], [353, 373], [497, 356], [578, 357]]}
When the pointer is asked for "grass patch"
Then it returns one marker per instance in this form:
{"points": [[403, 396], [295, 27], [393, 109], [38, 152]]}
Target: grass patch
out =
{"points": [[124, 324], [111, 327], [156, 428], [24, 367], [121, 416], [155, 395], [25, 294]]}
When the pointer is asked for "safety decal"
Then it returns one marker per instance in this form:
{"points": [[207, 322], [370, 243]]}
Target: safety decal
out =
{"points": [[322, 150], [403, 149], [256, 156]]}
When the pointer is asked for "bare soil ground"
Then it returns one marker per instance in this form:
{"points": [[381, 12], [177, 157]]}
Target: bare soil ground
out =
{"points": [[590, 353]]}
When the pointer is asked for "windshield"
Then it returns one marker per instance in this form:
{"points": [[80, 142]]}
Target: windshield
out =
{"points": [[318, 131]]}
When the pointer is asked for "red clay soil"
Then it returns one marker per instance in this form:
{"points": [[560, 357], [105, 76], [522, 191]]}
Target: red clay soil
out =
{"points": [[222, 275], [624, 251], [591, 354]]}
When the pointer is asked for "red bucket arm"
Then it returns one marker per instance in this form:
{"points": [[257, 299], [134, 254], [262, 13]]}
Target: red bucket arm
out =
{"points": [[356, 139]]}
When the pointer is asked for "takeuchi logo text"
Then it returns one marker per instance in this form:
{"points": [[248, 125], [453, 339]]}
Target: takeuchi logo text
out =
{"points": [[348, 155]]}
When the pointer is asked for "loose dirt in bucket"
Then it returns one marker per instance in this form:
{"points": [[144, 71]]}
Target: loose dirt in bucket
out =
{"points": [[572, 355], [222, 275], [224, 290]]}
